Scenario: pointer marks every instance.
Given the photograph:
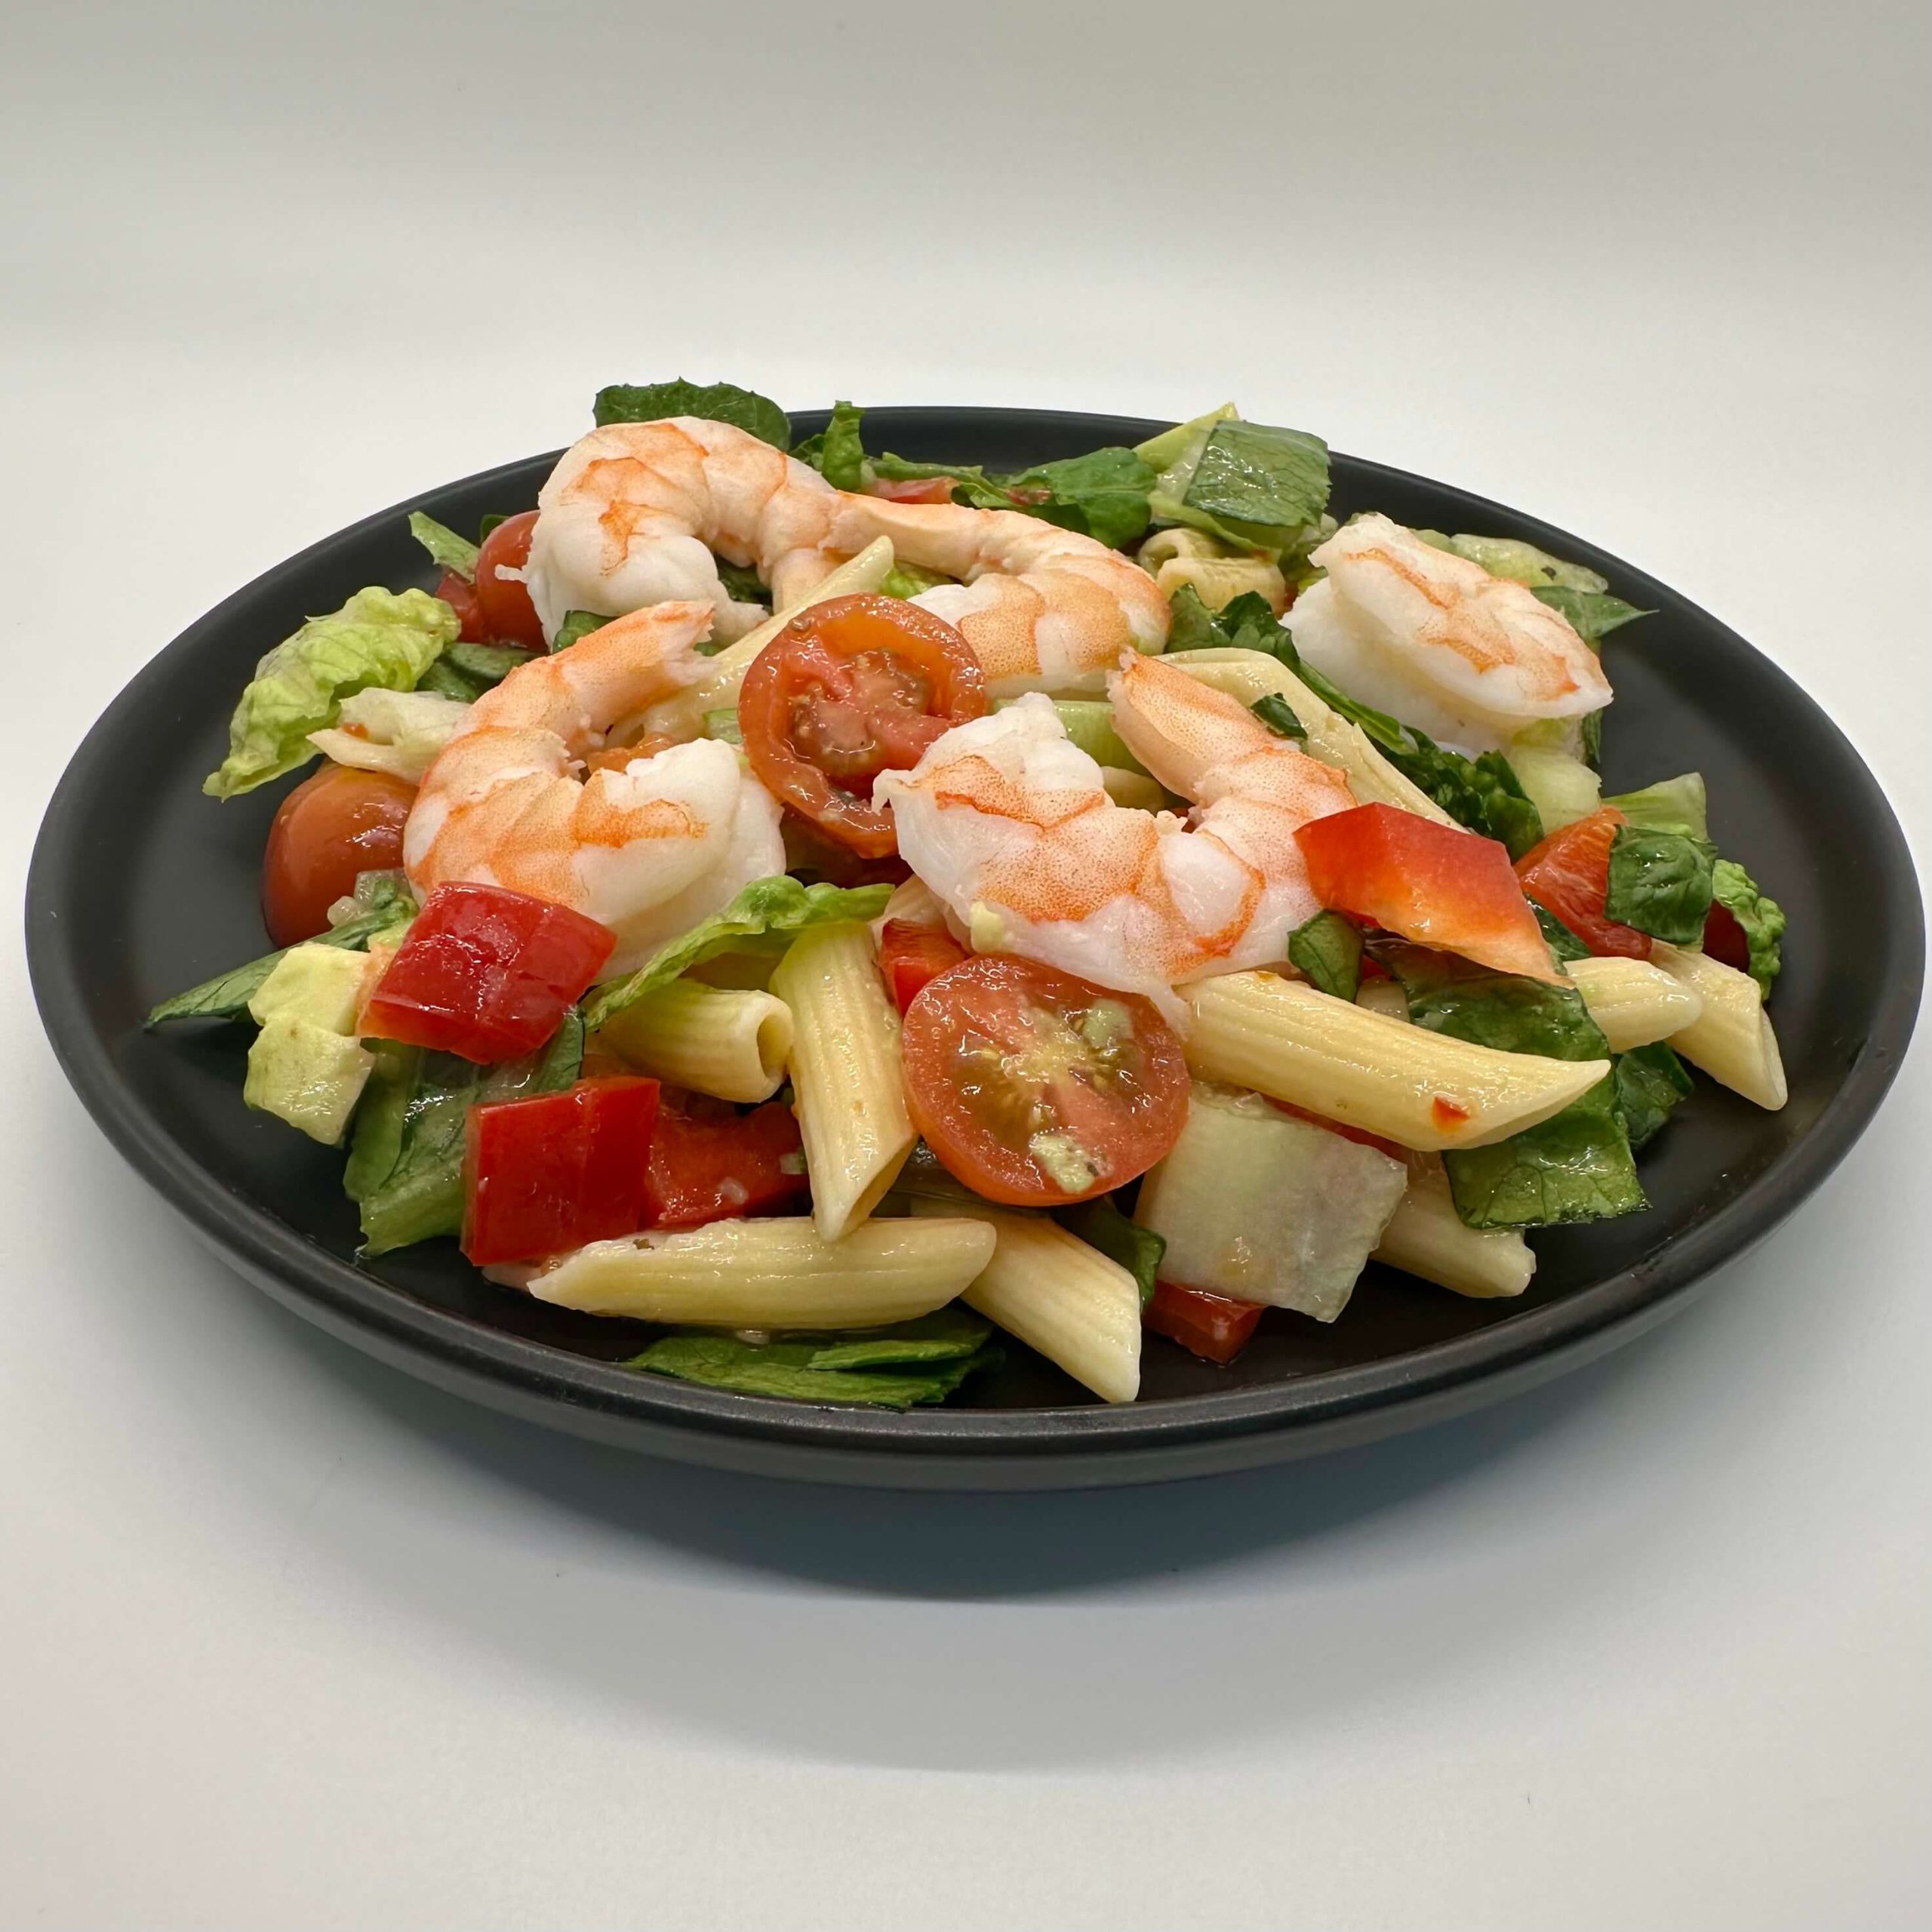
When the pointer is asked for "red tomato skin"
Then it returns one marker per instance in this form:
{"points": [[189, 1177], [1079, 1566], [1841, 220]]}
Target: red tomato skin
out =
{"points": [[915, 490], [1724, 939], [545, 1175], [1216, 1327], [508, 615], [459, 594], [1568, 874], [486, 973], [913, 956], [332, 827], [1436, 885], [713, 1169]]}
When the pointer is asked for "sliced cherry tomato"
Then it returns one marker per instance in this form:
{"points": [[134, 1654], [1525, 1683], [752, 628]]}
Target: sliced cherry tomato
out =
{"points": [[486, 973], [1724, 939], [814, 856], [915, 490], [509, 616], [1216, 1327], [1037, 1089], [544, 1175], [715, 1167], [1437, 884], [848, 689], [1569, 873], [912, 957], [338, 823], [459, 594]]}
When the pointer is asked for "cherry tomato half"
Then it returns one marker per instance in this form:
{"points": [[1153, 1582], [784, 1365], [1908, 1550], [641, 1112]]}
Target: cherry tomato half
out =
{"points": [[1569, 875], [509, 616], [848, 689], [1037, 1089], [338, 823], [459, 594]]}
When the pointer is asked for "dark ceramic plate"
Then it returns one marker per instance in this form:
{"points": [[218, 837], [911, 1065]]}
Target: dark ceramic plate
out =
{"points": [[141, 886]]}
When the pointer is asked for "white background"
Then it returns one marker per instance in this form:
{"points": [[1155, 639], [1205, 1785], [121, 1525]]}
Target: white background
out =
{"points": [[285, 1639]]}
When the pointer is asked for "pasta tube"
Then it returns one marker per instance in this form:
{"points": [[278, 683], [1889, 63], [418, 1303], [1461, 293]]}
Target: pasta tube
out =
{"points": [[775, 1274], [1365, 1069], [1731, 1038], [845, 1068], [1249, 674], [733, 1044], [1425, 1237], [1059, 1296], [1632, 1002], [1218, 581]]}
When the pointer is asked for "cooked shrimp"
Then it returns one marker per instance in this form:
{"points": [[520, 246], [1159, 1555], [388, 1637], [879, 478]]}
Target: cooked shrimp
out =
{"points": [[1044, 609], [648, 845], [632, 513], [1010, 826], [1469, 658]]}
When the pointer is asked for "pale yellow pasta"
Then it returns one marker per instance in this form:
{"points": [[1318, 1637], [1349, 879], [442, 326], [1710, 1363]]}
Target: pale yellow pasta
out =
{"points": [[1426, 1238], [1417, 1088], [1731, 1038], [768, 1274], [846, 1072], [1249, 674], [733, 1044], [1218, 581], [1633, 1002], [1079, 1309]]}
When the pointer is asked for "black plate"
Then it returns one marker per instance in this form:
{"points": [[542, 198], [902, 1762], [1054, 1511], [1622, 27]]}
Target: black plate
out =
{"points": [[141, 886]]}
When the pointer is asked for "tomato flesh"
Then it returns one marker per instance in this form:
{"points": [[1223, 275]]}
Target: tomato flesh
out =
{"points": [[545, 1175], [715, 1169], [459, 594], [849, 688], [1036, 1088], [332, 827], [913, 956], [1724, 939], [1568, 874], [1436, 885], [508, 615], [1216, 1327], [486, 973]]}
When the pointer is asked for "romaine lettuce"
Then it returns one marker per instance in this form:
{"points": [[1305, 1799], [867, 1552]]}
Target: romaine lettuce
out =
{"points": [[714, 402], [1762, 918], [398, 732], [811, 1371], [1651, 1081], [1672, 804], [1248, 483], [446, 549], [1100, 1224], [1521, 562], [1593, 614], [1660, 883]]}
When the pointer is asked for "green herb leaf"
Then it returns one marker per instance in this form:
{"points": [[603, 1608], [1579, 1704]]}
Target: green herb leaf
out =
{"points": [[952, 1333], [1246, 623], [1102, 494], [1593, 614], [1515, 1015], [742, 583], [1327, 949], [1564, 946], [575, 625], [907, 580], [1660, 883], [714, 402], [1100, 1224], [1763, 919], [1279, 715], [1249, 475], [785, 1369], [1590, 739], [1575, 1167], [1651, 1081], [837, 452], [1672, 804], [445, 547]]}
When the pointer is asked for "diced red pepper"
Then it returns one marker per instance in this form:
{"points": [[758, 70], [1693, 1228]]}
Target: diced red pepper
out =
{"points": [[1569, 875], [715, 1169], [1216, 1327], [486, 973], [544, 1176], [1436, 885], [459, 594], [913, 956]]}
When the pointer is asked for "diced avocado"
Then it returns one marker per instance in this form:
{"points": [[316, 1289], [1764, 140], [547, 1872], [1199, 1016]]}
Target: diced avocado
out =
{"points": [[307, 1075], [320, 984]]}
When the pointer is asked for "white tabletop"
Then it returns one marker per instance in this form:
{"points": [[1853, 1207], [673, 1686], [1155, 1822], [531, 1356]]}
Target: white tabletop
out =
{"points": [[286, 1639]]}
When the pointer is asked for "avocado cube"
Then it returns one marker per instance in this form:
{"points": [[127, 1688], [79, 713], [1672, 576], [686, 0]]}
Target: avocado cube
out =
{"points": [[322, 984], [307, 1075]]}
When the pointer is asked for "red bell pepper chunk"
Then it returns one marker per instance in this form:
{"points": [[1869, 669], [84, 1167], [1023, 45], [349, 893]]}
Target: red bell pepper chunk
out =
{"points": [[1569, 875], [1724, 939], [544, 1176], [1436, 885], [1216, 1327], [486, 973], [704, 1168], [913, 956]]}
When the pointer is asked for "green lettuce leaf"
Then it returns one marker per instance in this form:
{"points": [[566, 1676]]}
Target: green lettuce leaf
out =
{"points": [[1660, 883], [1515, 1015], [766, 916], [1103, 494], [446, 549], [838, 452], [1246, 623], [1279, 717], [379, 637], [788, 1370], [1249, 484], [714, 402], [1521, 562], [742, 583], [1100, 1224], [1651, 1081], [1672, 804], [952, 1333], [1328, 948], [1593, 614], [907, 580], [1564, 945], [1762, 918]]}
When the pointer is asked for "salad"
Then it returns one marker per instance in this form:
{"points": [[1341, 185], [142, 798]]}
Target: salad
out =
{"points": [[836, 908]]}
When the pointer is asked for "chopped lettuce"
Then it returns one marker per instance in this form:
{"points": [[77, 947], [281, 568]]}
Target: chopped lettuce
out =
{"points": [[1562, 788], [838, 452], [1100, 1224], [379, 637], [1672, 804], [907, 580], [742, 583], [1651, 1081], [1279, 715], [1762, 918], [714, 402], [398, 732], [1521, 562], [952, 1333], [1249, 484], [798, 1371], [1564, 945], [1660, 883], [446, 549], [1327, 949], [1593, 614], [766, 916]]}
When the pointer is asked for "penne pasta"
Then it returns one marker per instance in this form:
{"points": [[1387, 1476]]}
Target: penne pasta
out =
{"points": [[846, 1069], [731, 1045], [1081, 1310], [776, 1273], [1420, 1089], [1250, 675], [1731, 1038], [1426, 1238], [1633, 1002]]}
